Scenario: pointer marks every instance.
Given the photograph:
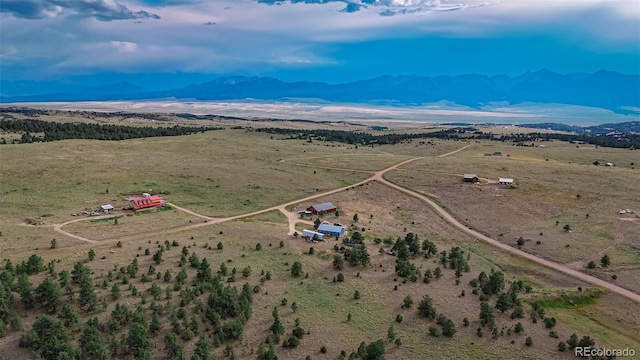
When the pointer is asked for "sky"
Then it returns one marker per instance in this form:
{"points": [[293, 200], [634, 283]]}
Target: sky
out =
{"points": [[160, 44]]}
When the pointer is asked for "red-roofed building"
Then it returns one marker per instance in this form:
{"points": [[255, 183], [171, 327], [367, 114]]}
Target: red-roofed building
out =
{"points": [[147, 202]]}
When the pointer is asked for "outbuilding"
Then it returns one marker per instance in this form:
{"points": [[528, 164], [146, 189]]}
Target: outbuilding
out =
{"points": [[311, 234], [324, 207], [106, 208], [331, 230], [146, 202], [505, 181], [472, 178]]}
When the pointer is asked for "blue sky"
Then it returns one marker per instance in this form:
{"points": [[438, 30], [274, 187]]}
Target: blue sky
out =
{"points": [[166, 43]]}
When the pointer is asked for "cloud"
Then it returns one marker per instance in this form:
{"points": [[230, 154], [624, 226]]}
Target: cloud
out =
{"points": [[388, 7], [124, 46], [103, 10]]}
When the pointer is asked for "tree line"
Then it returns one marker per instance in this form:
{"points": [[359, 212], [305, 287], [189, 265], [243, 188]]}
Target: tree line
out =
{"points": [[465, 133], [54, 131]]}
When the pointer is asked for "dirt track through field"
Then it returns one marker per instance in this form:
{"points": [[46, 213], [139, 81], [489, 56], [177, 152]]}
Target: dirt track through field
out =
{"points": [[379, 177]]}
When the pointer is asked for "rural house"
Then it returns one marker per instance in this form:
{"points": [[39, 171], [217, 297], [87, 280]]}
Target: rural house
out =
{"points": [[472, 178], [146, 202], [324, 207], [331, 230], [505, 181]]}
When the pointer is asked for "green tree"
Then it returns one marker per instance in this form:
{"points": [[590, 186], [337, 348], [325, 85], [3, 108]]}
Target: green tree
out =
{"points": [[276, 328], [115, 291], [91, 344], [23, 287], [258, 247], [486, 314], [408, 302], [220, 246], [391, 333], [48, 337], [92, 255], [172, 346], [605, 261], [561, 346], [355, 217], [68, 315], [374, 351], [338, 263], [529, 341], [448, 328], [340, 277], [48, 295], [296, 269], [246, 272], [87, 297], [567, 228], [426, 308], [356, 295], [519, 328], [591, 265], [54, 243], [157, 257], [202, 350], [137, 341]]}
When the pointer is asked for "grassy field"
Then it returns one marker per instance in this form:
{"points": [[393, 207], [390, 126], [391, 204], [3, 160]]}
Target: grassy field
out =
{"points": [[230, 172]]}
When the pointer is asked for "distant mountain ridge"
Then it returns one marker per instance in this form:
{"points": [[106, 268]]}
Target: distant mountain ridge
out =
{"points": [[604, 89]]}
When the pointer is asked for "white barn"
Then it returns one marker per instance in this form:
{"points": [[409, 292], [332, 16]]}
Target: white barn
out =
{"points": [[505, 181], [310, 234]]}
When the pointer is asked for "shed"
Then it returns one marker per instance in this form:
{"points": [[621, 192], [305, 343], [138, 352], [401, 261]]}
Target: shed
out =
{"points": [[471, 178], [310, 234], [609, 164], [106, 207], [147, 202], [497, 153], [505, 181], [331, 230], [324, 207]]}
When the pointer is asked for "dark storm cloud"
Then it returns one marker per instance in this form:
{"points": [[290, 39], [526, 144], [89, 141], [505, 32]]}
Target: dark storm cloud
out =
{"points": [[102, 10]]}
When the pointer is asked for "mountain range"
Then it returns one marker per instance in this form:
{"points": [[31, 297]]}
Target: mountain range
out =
{"points": [[604, 89]]}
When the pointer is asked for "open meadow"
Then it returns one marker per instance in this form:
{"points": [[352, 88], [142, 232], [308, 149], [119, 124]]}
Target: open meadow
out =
{"points": [[186, 273]]}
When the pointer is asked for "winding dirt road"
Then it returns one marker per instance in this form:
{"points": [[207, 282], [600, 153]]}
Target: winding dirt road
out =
{"points": [[379, 177]]}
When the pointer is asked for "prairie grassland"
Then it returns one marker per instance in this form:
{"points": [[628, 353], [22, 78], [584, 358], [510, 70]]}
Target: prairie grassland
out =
{"points": [[232, 172], [567, 189], [217, 173]]}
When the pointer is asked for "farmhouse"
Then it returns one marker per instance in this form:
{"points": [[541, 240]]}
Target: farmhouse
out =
{"points": [[324, 207], [106, 208], [146, 202], [310, 234], [331, 230], [472, 178], [505, 181]]}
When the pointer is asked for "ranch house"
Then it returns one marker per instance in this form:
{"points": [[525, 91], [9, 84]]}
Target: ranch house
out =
{"points": [[324, 207]]}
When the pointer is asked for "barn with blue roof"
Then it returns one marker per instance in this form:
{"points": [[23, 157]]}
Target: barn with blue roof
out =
{"points": [[331, 230]]}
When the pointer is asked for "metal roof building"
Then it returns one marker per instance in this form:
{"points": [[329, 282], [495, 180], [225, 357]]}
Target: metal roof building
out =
{"points": [[331, 230], [326, 207]]}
